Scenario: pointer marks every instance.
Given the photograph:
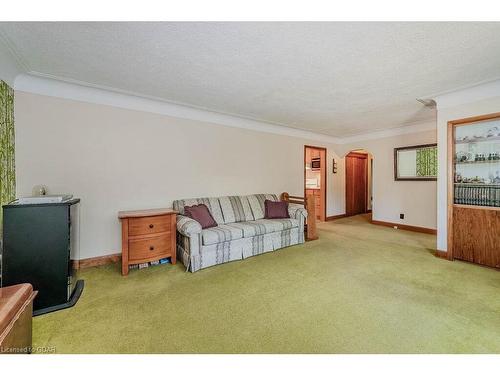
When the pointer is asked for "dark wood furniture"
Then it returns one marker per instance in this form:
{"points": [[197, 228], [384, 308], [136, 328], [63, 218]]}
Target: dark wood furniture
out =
{"points": [[16, 311], [40, 243], [147, 235], [473, 229], [356, 183]]}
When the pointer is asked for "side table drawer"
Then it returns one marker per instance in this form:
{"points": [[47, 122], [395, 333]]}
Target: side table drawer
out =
{"points": [[149, 225], [149, 246], [148, 236]]}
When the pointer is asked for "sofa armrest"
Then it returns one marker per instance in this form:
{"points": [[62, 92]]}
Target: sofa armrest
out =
{"points": [[189, 242], [297, 211], [187, 226]]}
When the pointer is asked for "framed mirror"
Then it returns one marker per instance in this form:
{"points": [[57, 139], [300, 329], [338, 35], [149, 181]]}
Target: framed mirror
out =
{"points": [[416, 163]]}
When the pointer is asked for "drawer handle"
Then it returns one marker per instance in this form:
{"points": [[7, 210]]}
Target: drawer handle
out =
{"points": [[151, 226], [151, 248]]}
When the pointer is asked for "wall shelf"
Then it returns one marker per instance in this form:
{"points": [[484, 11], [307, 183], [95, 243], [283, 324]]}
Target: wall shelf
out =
{"points": [[478, 162], [474, 207], [478, 140]]}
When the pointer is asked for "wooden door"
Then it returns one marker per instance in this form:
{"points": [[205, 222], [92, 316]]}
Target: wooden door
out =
{"points": [[356, 170]]}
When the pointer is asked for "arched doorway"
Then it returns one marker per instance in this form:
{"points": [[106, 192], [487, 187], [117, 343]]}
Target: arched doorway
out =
{"points": [[358, 182]]}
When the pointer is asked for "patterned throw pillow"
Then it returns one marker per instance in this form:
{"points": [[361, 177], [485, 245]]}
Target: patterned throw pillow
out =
{"points": [[276, 210], [201, 214]]}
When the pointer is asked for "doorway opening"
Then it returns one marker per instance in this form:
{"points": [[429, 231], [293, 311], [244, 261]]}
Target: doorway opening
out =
{"points": [[315, 178], [358, 182]]}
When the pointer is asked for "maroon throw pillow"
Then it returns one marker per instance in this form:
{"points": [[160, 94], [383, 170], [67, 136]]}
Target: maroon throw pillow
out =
{"points": [[276, 210], [201, 214]]}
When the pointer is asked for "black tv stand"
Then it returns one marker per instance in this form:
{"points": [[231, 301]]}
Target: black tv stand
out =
{"points": [[72, 301]]}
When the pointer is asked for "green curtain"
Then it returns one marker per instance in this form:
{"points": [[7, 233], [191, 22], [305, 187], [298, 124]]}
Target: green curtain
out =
{"points": [[7, 165], [427, 162]]}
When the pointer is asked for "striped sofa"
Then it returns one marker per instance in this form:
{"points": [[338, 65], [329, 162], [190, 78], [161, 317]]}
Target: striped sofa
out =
{"points": [[241, 232]]}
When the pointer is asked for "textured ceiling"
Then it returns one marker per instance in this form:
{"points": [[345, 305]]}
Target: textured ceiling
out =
{"points": [[338, 79]]}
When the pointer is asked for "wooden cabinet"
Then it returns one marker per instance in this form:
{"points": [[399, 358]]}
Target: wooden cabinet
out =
{"points": [[474, 190], [315, 153], [475, 235], [147, 236], [16, 310]]}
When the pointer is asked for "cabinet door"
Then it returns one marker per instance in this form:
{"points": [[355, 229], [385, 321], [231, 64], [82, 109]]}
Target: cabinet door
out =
{"points": [[475, 235]]}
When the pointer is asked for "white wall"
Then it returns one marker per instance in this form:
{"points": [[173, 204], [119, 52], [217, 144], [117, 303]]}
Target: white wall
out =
{"points": [[116, 159], [9, 67], [464, 107], [416, 199]]}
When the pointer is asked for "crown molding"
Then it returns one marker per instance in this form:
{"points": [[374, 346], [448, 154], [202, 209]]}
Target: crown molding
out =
{"points": [[407, 129], [467, 94], [10, 65], [37, 83]]}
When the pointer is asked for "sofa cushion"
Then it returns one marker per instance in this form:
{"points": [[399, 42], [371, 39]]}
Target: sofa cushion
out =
{"points": [[276, 210], [256, 202], [235, 209], [201, 214], [221, 233], [264, 226], [212, 204]]}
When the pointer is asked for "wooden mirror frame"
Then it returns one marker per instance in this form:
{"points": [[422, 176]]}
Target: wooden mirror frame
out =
{"points": [[396, 150]]}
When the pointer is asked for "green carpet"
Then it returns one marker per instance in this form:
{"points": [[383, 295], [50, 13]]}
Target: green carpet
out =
{"points": [[360, 288]]}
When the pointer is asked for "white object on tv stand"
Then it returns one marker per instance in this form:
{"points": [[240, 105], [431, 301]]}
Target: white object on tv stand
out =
{"points": [[44, 199]]}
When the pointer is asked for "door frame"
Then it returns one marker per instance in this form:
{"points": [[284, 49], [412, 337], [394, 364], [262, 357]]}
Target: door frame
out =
{"points": [[323, 175], [359, 155]]}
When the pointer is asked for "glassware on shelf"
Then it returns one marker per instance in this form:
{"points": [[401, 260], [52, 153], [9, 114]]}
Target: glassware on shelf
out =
{"points": [[476, 163]]}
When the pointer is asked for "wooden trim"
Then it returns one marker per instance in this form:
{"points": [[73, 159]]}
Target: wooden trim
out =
{"points": [[96, 261], [359, 155], [449, 197], [335, 217], [323, 176], [310, 205], [405, 227], [124, 257], [490, 208], [173, 238], [469, 120], [417, 146], [396, 178], [442, 254], [451, 151]]}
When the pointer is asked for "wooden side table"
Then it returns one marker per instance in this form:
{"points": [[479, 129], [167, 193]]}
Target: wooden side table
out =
{"points": [[16, 311], [147, 235]]}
